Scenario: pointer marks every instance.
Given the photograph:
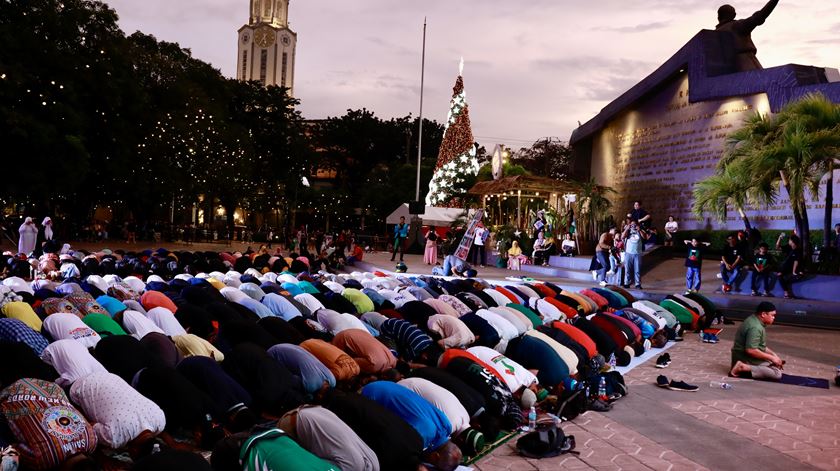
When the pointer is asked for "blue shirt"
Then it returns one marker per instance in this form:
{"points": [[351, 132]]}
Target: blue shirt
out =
{"points": [[280, 306], [429, 421], [401, 232], [304, 365], [14, 330]]}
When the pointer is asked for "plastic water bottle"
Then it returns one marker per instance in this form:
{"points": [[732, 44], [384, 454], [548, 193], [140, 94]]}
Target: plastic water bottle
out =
{"points": [[612, 360], [156, 448], [720, 385], [532, 418], [602, 389]]}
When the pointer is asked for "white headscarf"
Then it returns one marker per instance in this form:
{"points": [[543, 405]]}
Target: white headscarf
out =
{"points": [[48, 232]]}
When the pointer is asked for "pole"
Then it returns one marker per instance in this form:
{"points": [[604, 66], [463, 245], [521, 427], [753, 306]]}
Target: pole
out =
{"points": [[420, 135]]}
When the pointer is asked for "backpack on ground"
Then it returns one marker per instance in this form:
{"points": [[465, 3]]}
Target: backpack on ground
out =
{"points": [[545, 442]]}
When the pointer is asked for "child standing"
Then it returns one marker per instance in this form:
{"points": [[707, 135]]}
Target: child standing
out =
{"points": [[693, 264], [762, 267]]}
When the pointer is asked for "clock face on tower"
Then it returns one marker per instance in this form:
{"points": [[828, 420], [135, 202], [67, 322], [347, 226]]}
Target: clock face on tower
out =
{"points": [[264, 36], [245, 38], [286, 40]]}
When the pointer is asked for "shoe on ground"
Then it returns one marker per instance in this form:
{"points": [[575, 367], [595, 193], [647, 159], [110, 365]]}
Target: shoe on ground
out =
{"points": [[667, 357], [595, 275], [754, 293], [687, 292], [661, 362], [767, 294], [712, 338], [638, 287], [603, 283], [704, 336], [610, 273], [718, 276], [662, 381], [681, 386]]}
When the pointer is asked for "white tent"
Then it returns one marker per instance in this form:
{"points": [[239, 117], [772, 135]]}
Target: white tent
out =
{"points": [[433, 216]]}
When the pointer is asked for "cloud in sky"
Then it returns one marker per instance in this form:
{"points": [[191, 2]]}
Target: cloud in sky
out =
{"points": [[533, 68]]}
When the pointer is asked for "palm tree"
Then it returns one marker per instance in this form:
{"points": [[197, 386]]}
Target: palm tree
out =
{"points": [[820, 117], [730, 186], [592, 206]]}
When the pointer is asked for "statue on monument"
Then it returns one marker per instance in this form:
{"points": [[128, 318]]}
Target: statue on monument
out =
{"points": [[743, 48]]}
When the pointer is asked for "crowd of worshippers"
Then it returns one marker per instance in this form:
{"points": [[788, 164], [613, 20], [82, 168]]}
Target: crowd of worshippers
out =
{"points": [[269, 365]]}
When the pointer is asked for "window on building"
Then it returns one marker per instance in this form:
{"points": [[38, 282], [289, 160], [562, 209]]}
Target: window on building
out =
{"points": [[244, 65], [283, 70], [263, 64]]}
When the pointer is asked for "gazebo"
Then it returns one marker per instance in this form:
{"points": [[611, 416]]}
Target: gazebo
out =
{"points": [[530, 192]]}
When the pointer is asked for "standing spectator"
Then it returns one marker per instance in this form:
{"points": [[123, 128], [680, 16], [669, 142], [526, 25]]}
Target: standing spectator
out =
{"points": [[634, 247], [730, 263], [694, 265], [671, 228], [790, 268], [642, 217], [28, 236], [762, 266], [602, 255], [47, 228], [400, 235], [430, 254], [481, 235]]}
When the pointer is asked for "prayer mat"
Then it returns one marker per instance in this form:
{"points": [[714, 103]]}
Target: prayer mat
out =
{"points": [[804, 381], [504, 437]]}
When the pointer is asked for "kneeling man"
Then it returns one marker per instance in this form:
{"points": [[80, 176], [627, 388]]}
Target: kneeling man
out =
{"points": [[750, 354]]}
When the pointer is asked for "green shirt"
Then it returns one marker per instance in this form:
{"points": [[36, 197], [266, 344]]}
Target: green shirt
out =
{"points": [[360, 300], [750, 334], [274, 450], [103, 325]]}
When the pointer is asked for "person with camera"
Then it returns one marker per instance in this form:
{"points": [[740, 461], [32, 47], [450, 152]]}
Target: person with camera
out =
{"points": [[634, 246]]}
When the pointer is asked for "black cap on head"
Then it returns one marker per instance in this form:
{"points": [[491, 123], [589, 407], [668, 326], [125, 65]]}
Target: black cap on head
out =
{"points": [[765, 306], [622, 358]]}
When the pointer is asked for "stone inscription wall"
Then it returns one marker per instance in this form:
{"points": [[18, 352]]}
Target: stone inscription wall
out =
{"points": [[656, 151]]}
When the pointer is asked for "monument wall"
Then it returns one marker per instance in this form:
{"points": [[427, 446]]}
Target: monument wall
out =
{"points": [[655, 150]]}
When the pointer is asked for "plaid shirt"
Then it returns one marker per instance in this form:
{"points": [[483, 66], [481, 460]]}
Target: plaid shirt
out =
{"points": [[13, 330]]}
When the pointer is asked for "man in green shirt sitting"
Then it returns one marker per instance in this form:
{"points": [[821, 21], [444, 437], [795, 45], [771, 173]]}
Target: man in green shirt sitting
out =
{"points": [[750, 354]]}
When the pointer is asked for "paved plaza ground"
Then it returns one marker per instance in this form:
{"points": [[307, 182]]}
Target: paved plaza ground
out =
{"points": [[755, 425]]}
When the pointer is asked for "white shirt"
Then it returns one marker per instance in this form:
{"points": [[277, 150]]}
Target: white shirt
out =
{"points": [[119, 413], [671, 226], [233, 294], [505, 329], [63, 325], [138, 325], [441, 398], [521, 327], [167, 322], [515, 375], [336, 322], [497, 296], [479, 236], [311, 302], [71, 360]]}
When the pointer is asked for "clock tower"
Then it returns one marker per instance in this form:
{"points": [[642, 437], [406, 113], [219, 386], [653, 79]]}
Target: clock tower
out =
{"points": [[267, 45]]}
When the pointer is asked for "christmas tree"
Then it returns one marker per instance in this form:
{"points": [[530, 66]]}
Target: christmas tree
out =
{"points": [[457, 150]]}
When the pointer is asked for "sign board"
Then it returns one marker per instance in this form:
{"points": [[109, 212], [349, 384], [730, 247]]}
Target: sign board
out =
{"points": [[466, 241]]}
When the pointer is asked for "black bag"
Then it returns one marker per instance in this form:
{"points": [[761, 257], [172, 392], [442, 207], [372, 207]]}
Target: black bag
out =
{"points": [[545, 442], [572, 404]]}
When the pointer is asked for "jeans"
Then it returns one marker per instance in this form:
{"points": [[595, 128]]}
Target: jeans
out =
{"points": [[399, 245], [632, 266], [692, 278], [602, 257], [479, 255], [760, 278], [729, 276]]}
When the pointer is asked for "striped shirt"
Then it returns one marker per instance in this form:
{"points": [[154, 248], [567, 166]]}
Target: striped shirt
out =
{"points": [[410, 340]]}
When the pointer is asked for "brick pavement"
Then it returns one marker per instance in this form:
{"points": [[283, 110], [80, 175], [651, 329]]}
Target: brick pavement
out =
{"points": [[775, 426]]}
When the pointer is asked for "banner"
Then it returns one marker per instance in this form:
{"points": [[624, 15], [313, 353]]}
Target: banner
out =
{"points": [[466, 242]]}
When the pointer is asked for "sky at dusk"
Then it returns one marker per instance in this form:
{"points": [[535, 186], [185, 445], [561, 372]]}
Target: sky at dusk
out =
{"points": [[533, 68]]}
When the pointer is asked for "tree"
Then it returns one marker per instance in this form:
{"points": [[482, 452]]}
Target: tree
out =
{"points": [[592, 207], [730, 185], [457, 158], [548, 157]]}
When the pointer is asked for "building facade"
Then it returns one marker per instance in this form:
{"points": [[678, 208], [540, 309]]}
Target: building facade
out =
{"points": [[267, 45]]}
